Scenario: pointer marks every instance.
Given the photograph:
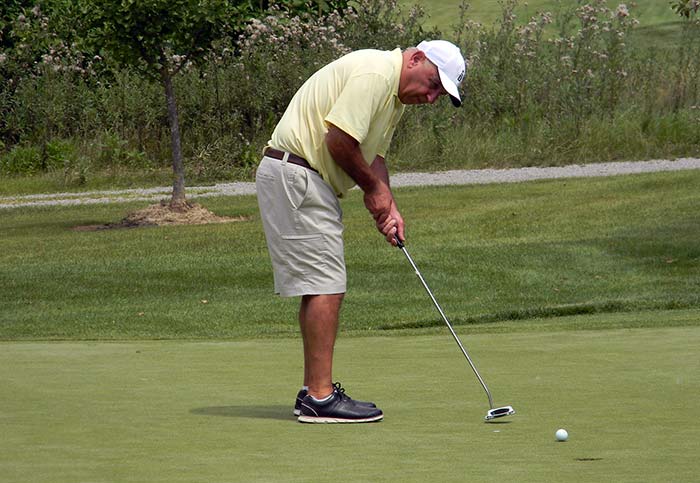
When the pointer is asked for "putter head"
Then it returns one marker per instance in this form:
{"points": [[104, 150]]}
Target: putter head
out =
{"points": [[499, 412]]}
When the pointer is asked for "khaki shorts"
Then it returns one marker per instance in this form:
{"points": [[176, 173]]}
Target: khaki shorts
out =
{"points": [[303, 226]]}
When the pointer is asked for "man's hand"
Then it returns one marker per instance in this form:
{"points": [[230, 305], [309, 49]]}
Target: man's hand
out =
{"points": [[392, 225], [380, 203]]}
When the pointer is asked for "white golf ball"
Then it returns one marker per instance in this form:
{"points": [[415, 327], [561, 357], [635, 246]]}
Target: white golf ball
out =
{"points": [[561, 435]]}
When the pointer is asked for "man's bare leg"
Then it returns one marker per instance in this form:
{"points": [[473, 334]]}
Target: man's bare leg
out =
{"points": [[318, 319]]}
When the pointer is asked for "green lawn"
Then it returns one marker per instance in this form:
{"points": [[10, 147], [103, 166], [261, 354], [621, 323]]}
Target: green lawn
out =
{"points": [[577, 299], [490, 253], [659, 24], [220, 411], [443, 13]]}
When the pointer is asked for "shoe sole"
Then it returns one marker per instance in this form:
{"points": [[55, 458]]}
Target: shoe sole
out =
{"points": [[297, 412], [327, 420]]}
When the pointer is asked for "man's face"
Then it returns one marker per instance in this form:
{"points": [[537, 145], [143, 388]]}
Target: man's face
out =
{"points": [[422, 84]]}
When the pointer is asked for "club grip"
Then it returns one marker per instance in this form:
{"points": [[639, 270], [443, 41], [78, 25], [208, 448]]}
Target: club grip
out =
{"points": [[399, 243]]}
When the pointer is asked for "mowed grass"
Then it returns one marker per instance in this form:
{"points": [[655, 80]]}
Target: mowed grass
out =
{"points": [[444, 13], [659, 26], [490, 253], [577, 299], [177, 411]]}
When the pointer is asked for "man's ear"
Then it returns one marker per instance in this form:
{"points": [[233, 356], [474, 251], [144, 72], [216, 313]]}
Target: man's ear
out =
{"points": [[417, 58]]}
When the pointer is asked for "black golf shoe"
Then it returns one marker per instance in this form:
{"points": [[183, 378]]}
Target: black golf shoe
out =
{"points": [[339, 408], [303, 392]]}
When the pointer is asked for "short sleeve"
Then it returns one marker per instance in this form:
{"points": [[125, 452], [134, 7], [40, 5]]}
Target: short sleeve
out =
{"points": [[358, 103]]}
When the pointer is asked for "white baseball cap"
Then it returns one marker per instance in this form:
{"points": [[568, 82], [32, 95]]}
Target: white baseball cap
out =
{"points": [[450, 63]]}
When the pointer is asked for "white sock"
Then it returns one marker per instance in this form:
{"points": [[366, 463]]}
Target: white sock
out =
{"points": [[324, 399], [305, 388]]}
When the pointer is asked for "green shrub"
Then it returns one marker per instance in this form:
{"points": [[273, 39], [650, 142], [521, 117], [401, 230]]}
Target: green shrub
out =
{"points": [[543, 90], [25, 160], [109, 149]]}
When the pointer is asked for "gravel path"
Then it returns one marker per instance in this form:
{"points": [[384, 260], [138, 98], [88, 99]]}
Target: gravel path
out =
{"points": [[455, 177]]}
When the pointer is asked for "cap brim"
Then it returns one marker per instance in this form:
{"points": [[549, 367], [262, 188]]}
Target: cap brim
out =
{"points": [[451, 89]]}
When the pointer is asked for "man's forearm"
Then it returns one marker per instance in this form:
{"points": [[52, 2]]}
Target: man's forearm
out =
{"points": [[379, 169]]}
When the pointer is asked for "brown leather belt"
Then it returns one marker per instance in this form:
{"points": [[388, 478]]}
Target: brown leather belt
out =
{"points": [[293, 158]]}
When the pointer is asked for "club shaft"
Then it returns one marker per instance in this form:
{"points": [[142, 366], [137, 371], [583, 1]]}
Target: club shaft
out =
{"points": [[447, 322]]}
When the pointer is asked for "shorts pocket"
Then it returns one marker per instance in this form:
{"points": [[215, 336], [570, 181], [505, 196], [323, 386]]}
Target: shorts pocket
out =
{"points": [[296, 185], [305, 254]]}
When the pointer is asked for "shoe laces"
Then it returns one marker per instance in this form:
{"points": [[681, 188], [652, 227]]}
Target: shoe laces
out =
{"points": [[341, 391]]}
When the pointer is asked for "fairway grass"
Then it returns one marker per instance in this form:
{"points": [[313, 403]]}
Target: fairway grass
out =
{"points": [[189, 411], [490, 253], [578, 300]]}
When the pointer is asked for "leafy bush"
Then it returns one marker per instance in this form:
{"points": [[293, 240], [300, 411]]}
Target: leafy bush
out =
{"points": [[22, 160], [531, 97]]}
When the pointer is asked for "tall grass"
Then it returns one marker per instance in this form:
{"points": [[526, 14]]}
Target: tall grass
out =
{"points": [[567, 86]]}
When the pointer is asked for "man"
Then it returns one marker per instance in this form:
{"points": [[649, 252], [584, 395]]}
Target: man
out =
{"points": [[335, 134]]}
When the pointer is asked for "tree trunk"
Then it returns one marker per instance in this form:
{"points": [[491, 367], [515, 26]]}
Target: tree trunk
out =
{"points": [[178, 201]]}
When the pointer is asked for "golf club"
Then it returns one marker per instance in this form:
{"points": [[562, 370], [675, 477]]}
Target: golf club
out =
{"points": [[493, 412]]}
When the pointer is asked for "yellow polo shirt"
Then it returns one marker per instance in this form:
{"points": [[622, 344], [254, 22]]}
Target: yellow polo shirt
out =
{"points": [[358, 93]]}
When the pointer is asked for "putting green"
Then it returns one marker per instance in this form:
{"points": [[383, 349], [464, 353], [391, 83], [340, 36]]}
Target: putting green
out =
{"points": [[221, 411]]}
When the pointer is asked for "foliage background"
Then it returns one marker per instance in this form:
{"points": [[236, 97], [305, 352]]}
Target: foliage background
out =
{"points": [[570, 85]]}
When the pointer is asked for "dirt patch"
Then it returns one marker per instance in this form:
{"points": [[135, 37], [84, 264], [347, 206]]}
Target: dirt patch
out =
{"points": [[162, 214]]}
